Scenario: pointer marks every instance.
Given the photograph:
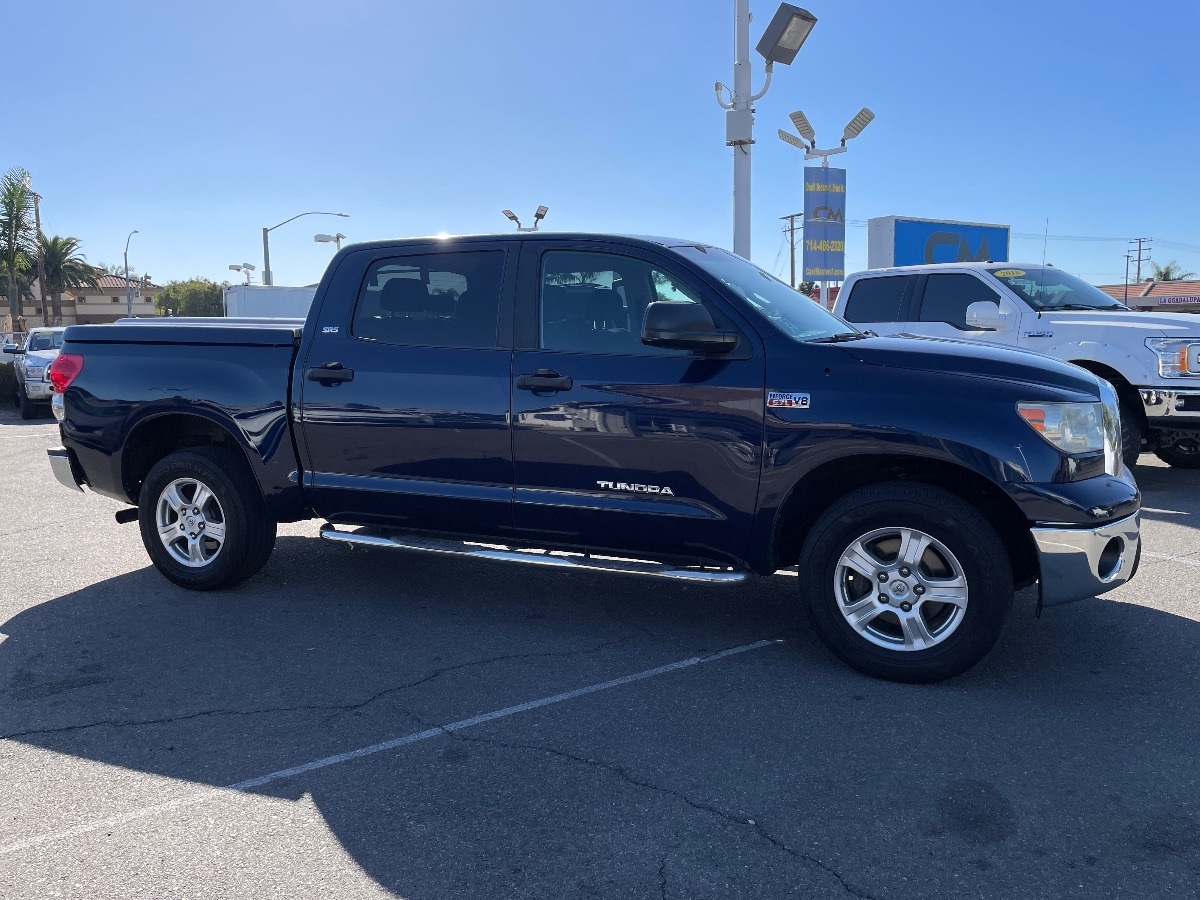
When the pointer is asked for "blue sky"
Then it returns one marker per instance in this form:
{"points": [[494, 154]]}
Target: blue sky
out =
{"points": [[199, 123]]}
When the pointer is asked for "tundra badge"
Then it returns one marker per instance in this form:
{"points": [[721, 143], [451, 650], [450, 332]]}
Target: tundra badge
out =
{"points": [[636, 488]]}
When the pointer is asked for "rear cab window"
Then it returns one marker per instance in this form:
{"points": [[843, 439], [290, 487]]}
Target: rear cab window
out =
{"points": [[877, 299]]}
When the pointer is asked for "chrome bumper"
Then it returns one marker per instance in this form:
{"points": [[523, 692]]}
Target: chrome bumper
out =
{"points": [[63, 468], [1078, 563], [1176, 405], [38, 390]]}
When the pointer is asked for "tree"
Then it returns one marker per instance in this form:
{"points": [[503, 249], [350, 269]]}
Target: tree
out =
{"points": [[17, 234], [117, 269], [191, 297], [66, 269], [806, 287], [1172, 271]]}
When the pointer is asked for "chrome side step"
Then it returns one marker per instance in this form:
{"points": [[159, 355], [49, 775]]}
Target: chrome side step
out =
{"points": [[579, 562]]}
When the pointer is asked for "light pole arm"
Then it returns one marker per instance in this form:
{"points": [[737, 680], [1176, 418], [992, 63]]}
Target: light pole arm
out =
{"points": [[766, 84], [721, 103], [298, 215]]}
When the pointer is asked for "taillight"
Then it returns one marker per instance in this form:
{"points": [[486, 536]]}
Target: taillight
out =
{"points": [[63, 370]]}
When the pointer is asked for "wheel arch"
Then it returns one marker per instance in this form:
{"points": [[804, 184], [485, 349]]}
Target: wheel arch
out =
{"points": [[1125, 390], [818, 489], [157, 436]]}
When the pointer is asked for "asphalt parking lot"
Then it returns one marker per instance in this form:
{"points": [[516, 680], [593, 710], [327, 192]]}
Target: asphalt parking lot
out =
{"points": [[360, 724]]}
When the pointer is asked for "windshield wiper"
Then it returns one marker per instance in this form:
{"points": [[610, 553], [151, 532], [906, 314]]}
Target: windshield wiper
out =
{"points": [[840, 337], [1085, 307]]}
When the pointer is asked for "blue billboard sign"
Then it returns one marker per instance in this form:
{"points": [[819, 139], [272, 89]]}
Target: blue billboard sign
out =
{"points": [[920, 241], [824, 224]]}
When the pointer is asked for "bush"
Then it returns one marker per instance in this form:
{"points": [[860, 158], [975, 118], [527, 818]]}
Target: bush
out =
{"points": [[8, 382]]}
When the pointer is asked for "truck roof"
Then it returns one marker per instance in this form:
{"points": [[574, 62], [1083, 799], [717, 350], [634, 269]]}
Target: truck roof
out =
{"points": [[634, 239], [970, 264]]}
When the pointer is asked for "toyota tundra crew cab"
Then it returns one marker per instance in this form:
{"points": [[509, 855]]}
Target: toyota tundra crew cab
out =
{"points": [[647, 406], [1152, 360]]}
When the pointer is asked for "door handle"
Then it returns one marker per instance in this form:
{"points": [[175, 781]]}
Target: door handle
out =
{"points": [[544, 380], [331, 373]]}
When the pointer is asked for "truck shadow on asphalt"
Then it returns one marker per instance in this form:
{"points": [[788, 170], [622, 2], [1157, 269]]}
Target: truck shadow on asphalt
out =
{"points": [[1052, 767]]}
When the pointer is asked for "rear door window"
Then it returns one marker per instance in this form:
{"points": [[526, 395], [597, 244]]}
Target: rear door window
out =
{"points": [[948, 294], [877, 299], [432, 300]]}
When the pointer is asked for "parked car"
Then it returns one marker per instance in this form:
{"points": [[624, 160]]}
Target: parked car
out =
{"points": [[1152, 360], [33, 357], [647, 406]]}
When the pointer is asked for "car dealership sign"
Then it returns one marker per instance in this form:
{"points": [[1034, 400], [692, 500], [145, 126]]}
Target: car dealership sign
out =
{"points": [[904, 241], [824, 224]]}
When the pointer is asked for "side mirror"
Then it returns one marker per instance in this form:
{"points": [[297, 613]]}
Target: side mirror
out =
{"points": [[984, 315], [12, 348], [684, 326]]}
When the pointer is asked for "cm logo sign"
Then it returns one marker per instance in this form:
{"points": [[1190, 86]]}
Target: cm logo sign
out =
{"points": [[827, 214], [961, 248]]}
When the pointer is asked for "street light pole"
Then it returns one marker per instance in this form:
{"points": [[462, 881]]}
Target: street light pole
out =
{"points": [[128, 290], [268, 278], [785, 34], [741, 149]]}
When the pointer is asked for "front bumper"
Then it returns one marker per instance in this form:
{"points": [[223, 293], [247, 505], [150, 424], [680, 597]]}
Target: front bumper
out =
{"points": [[1178, 406], [64, 467], [1078, 563], [38, 390]]}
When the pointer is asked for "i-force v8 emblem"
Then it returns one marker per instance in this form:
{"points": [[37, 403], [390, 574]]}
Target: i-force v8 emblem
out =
{"points": [[787, 400], [636, 488]]}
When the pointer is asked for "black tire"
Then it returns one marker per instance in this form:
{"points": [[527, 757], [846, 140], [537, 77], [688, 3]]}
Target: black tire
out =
{"points": [[29, 409], [1183, 454], [978, 552], [1131, 434], [249, 533]]}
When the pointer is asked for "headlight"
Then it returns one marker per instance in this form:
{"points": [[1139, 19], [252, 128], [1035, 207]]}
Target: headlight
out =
{"points": [[1177, 357], [34, 373], [1079, 429]]}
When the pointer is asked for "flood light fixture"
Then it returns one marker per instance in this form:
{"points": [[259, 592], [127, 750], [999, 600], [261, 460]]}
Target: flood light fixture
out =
{"points": [[856, 125], [785, 34]]}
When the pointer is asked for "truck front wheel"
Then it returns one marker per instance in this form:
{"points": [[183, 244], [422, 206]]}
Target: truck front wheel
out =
{"points": [[203, 520], [906, 582], [1184, 454], [29, 409]]}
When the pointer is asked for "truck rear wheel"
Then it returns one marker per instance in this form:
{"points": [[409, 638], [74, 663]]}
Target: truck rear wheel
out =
{"points": [[203, 520], [906, 582]]}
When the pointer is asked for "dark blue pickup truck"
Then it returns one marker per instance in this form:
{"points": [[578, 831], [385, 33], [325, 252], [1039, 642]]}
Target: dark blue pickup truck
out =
{"points": [[639, 405]]}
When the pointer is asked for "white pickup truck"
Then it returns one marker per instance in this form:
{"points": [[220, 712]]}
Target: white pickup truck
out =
{"points": [[1152, 359]]}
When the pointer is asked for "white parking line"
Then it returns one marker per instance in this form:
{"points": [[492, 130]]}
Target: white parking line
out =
{"points": [[395, 743]]}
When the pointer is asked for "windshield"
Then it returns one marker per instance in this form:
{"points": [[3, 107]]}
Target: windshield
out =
{"points": [[45, 340], [1046, 288], [790, 311]]}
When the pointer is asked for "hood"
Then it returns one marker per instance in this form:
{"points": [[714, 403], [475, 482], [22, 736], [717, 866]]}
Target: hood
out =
{"points": [[1149, 324], [972, 358], [40, 357]]}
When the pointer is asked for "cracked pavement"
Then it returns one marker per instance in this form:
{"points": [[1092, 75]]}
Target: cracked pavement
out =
{"points": [[1062, 766]]}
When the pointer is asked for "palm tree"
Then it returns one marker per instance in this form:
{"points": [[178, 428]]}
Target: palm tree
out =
{"points": [[1172, 271], [16, 231], [66, 269]]}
